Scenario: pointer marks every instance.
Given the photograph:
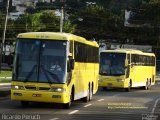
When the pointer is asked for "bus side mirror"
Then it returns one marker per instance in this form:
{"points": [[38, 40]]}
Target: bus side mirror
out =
{"points": [[72, 61], [126, 63], [70, 65]]}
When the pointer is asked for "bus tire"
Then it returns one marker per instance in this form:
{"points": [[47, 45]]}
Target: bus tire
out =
{"points": [[149, 84], [146, 87], [68, 105], [91, 93], [129, 87], [24, 103], [87, 98], [104, 88]]}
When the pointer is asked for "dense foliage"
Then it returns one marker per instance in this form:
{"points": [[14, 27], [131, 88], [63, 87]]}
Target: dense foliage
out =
{"points": [[100, 19]]}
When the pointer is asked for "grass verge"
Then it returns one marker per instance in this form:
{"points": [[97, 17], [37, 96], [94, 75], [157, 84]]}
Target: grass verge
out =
{"points": [[5, 73]]}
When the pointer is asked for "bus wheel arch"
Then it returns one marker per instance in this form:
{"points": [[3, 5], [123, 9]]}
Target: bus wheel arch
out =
{"points": [[72, 93], [68, 105], [87, 98]]}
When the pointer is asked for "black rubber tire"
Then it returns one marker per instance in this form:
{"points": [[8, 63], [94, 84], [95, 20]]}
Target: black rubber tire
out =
{"points": [[146, 87], [91, 93], [68, 105], [104, 88], [86, 99], [129, 87]]}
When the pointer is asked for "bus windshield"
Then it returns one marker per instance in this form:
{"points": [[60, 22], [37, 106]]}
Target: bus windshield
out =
{"points": [[112, 64], [40, 61]]}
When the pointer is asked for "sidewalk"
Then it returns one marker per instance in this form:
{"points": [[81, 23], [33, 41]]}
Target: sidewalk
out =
{"points": [[2, 78], [5, 84]]}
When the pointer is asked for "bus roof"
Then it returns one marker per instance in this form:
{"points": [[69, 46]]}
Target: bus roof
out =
{"points": [[56, 36], [131, 51]]}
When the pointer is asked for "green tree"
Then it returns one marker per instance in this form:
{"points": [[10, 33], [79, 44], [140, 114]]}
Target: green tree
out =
{"points": [[69, 27], [28, 23], [147, 16], [50, 21], [41, 21], [2, 19], [98, 22]]}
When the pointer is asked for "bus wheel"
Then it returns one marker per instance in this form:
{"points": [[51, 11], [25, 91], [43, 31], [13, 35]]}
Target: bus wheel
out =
{"points": [[104, 88], [129, 87], [91, 93], [149, 84], [24, 103], [87, 98], [68, 105], [146, 87]]}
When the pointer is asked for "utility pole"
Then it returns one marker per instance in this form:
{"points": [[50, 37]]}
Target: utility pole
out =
{"points": [[4, 34], [61, 20], [62, 15]]}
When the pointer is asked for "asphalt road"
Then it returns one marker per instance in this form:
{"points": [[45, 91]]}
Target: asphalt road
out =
{"points": [[113, 104]]}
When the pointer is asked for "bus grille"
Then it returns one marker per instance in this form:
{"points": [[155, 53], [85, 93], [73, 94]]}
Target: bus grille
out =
{"points": [[37, 88], [44, 88], [30, 87]]}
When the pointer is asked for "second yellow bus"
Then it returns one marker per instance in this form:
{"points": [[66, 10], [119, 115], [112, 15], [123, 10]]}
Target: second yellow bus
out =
{"points": [[126, 68]]}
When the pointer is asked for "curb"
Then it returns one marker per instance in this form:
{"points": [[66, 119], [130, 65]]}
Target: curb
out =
{"points": [[5, 84], [5, 77]]}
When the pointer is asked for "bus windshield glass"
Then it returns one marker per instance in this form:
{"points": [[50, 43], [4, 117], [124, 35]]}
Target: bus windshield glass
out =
{"points": [[112, 64], [40, 61]]}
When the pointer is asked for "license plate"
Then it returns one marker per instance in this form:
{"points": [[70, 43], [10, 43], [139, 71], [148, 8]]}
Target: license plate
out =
{"points": [[36, 95]]}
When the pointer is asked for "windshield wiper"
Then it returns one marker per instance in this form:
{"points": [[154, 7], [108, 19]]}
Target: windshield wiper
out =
{"points": [[30, 73], [102, 73], [46, 75], [52, 74]]}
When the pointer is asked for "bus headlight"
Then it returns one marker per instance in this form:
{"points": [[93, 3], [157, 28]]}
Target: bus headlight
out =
{"points": [[17, 87], [120, 80], [58, 89]]}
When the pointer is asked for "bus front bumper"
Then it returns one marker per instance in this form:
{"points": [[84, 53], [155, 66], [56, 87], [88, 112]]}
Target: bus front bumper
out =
{"points": [[113, 84], [39, 96]]}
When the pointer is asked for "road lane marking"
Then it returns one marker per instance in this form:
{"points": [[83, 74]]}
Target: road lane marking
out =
{"points": [[54, 119], [87, 105], [155, 104], [116, 95], [73, 112], [100, 100]]}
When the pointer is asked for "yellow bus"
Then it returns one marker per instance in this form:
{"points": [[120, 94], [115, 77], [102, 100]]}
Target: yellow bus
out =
{"points": [[126, 68], [54, 67]]}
